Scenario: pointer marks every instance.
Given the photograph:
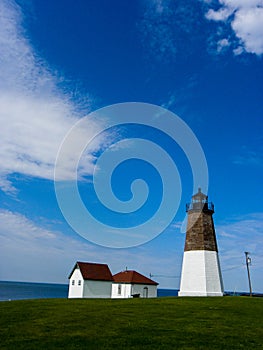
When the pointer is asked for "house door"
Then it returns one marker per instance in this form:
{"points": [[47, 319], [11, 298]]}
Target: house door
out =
{"points": [[145, 292]]}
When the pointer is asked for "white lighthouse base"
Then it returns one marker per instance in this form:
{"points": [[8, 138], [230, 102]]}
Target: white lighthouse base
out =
{"points": [[201, 274]]}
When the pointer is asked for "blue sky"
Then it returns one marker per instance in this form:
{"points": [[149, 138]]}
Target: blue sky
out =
{"points": [[62, 60]]}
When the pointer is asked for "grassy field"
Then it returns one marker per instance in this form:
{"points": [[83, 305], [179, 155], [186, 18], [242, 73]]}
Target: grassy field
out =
{"points": [[162, 323]]}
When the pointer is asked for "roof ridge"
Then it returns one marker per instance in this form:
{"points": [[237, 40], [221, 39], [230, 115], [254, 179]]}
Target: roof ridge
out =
{"points": [[90, 263], [93, 271], [132, 276]]}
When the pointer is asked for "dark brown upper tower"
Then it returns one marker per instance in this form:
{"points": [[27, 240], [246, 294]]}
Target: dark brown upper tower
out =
{"points": [[200, 234]]}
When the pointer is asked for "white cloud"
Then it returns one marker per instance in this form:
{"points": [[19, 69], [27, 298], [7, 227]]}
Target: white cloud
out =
{"points": [[34, 252], [219, 15], [236, 4], [29, 252], [249, 157], [234, 238], [238, 51], [18, 225], [34, 114], [248, 26], [222, 44], [246, 18]]}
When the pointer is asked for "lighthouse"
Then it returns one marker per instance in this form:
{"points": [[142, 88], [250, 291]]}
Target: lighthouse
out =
{"points": [[201, 274]]}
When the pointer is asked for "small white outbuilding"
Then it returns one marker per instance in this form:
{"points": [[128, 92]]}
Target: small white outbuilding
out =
{"points": [[129, 283], [90, 280]]}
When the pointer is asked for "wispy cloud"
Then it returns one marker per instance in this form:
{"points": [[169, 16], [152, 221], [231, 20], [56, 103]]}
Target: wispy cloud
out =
{"points": [[236, 236], [222, 45], [166, 28], [29, 251], [245, 18], [23, 228], [42, 249], [249, 157], [35, 114], [156, 30], [170, 28]]}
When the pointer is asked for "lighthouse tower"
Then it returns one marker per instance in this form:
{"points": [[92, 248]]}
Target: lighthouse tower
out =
{"points": [[201, 275]]}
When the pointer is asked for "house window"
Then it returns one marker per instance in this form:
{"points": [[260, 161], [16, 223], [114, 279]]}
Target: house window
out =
{"points": [[119, 289], [79, 283], [73, 282]]}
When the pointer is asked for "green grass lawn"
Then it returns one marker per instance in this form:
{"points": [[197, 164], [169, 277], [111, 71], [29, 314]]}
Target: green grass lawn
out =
{"points": [[162, 323]]}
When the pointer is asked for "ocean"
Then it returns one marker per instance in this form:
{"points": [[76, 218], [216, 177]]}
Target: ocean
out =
{"points": [[27, 290]]}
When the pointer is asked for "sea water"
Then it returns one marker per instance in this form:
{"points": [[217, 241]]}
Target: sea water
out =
{"points": [[27, 290]]}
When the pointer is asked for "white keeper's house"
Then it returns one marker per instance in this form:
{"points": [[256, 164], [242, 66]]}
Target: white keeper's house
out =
{"points": [[92, 280], [89, 280]]}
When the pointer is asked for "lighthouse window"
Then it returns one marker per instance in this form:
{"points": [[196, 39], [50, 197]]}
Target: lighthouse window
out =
{"points": [[79, 283], [73, 282]]}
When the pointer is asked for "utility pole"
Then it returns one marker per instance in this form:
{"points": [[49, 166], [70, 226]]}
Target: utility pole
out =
{"points": [[248, 263]]}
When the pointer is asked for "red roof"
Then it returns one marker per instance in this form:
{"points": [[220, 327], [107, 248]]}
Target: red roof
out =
{"points": [[130, 276], [93, 271]]}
